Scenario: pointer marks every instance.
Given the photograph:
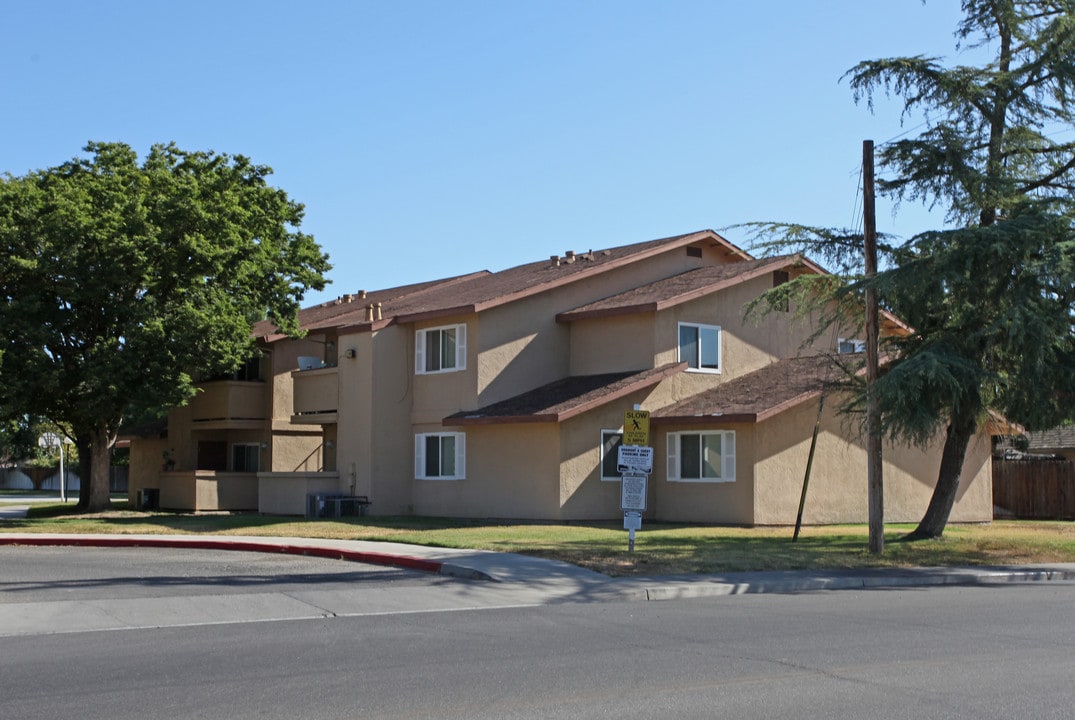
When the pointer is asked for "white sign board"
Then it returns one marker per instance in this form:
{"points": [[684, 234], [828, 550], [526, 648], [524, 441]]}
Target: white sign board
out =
{"points": [[635, 459], [632, 520], [633, 492]]}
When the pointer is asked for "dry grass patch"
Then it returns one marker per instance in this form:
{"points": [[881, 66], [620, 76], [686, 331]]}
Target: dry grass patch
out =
{"points": [[660, 549]]}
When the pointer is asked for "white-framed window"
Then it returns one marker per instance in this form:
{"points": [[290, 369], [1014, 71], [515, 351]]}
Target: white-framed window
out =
{"points": [[245, 457], [440, 456], [705, 456], [847, 346], [610, 454], [699, 347], [441, 349]]}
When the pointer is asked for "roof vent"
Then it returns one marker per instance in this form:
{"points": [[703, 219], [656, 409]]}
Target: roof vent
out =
{"points": [[377, 310], [369, 313], [362, 294], [555, 260]]}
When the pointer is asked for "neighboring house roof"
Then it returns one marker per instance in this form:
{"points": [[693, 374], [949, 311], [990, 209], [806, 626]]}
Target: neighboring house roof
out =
{"points": [[680, 288], [1058, 438], [758, 395], [563, 399], [483, 290]]}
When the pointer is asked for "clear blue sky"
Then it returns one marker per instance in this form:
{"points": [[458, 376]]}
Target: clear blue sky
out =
{"points": [[429, 139]]}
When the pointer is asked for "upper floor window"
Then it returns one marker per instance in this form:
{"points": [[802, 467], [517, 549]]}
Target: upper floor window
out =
{"points": [[847, 346], [702, 456], [442, 349], [440, 456], [699, 346]]}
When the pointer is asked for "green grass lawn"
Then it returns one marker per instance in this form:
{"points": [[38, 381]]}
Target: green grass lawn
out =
{"points": [[660, 548]]}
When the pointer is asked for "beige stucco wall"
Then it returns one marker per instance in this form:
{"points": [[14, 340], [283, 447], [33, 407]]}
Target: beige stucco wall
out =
{"points": [[583, 494], [147, 459], [207, 491], [296, 451], [837, 491], [374, 433], [285, 493], [520, 347], [439, 394], [284, 356], [748, 343], [512, 471], [619, 343], [707, 502]]}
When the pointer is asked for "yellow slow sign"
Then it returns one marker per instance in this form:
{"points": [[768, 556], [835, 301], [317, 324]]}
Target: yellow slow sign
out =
{"points": [[636, 427]]}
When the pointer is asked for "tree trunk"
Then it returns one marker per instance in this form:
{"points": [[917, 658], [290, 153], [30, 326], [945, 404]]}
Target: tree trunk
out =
{"points": [[100, 460], [960, 432]]}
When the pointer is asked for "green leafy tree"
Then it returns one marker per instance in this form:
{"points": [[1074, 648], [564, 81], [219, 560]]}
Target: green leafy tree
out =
{"points": [[121, 282], [18, 440], [990, 301]]}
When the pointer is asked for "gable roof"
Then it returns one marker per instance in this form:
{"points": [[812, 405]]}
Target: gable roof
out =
{"points": [[351, 308], [565, 398], [479, 291], [495, 289], [680, 288], [759, 395]]}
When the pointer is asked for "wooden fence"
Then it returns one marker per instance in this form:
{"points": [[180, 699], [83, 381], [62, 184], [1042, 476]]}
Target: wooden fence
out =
{"points": [[1041, 489]]}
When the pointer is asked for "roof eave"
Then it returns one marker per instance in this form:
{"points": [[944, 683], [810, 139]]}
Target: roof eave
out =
{"points": [[704, 419], [572, 411]]}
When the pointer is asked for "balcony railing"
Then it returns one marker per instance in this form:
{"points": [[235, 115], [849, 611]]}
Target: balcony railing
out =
{"points": [[201, 490], [316, 395], [230, 400]]}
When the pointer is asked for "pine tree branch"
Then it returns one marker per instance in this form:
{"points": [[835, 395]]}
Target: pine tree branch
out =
{"points": [[1046, 180]]}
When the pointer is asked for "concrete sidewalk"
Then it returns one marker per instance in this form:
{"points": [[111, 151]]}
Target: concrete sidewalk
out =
{"points": [[552, 581]]}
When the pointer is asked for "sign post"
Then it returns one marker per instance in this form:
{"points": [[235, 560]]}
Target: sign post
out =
{"points": [[632, 502], [635, 463], [51, 440]]}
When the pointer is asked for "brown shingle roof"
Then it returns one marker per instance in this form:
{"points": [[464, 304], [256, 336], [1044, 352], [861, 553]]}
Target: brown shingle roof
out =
{"points": [[351, 309], [524, 280], [483, 290], [1058, 438], [563, 399], [761, 394], [679, 288]]}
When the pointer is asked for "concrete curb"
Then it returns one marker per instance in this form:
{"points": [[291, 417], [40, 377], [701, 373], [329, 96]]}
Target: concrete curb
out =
{"points": [[795, 582]]}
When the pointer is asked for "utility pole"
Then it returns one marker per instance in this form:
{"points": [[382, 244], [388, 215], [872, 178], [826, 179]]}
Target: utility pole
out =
{"points": [[873, 411]]}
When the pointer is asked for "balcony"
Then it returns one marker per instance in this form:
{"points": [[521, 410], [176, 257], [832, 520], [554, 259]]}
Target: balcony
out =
{"points": [[206, 490], [316, 396], [230, 404]]}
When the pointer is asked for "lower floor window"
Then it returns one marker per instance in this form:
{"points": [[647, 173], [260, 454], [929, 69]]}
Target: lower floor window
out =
{"points": [[701, 456], [440, 456], [245, 457], [610, 454]]}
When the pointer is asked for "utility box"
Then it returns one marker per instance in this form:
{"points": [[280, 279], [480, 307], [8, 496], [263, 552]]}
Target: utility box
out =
{"points": [[147, 499]]}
